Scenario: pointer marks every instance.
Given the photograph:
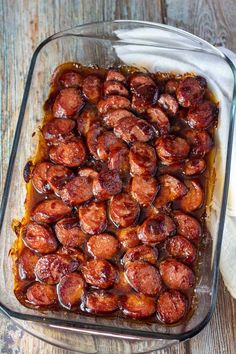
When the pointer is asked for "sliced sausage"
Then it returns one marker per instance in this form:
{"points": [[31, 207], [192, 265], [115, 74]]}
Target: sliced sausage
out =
{"points": [[58, 129], [202, 116], [106, 184], [75, 254], [93, 219], [106, 142], [172, 306], [138, 79], [69, 233], [159, 120], [26, 264], [139, 105], [169, 104], [58, 176], [176, 275], [51, 268], [118, 159], [156, 229], [113, 102], [90, 173], [92, 88], [39, 177], [171, 149], [141, 253], [188, 226], [27, 171], [143, 97], [142, 159], [71, 79], [144, 278], [128, 237], [41, 294], [77, 191], [86, 120], [70, 153], [194, 166], [190, 91], [116, 75], [39, 238], [112, 87], [70, 290], [194, 198], [99, 273], [179, 247], [137, 306], [92, 139], [171, 86], [50, 210], [142, 131], [144, 189], [103, 246], [124, 210], [113, 117], [200, 141], [171, 188], [123, 128], [68, 102], [122, 284], [101, 302]]}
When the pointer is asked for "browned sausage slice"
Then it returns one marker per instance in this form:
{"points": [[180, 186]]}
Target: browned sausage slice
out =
{"points": [[41, 294], [92, 139], [139, 105], [124, 210], [171, 86], [70, 290], [144, 278], [69, 233], [128, 237], [26, 264], [99, 273], [194, 198], [90, 173], [113, 117], [179, 247], [93, 219], [92, 88], [39, 238], [171, 306], [176, 275], [139, 79], [142, 131], [144, 189], [101, 302], [73, 253], [171, 149], [106, 142], [49, 211], [39, 177], [70, 153], [143, 159], [137, 305], [71, 79], [122, 284], [68, 102], [202, 116], [159, 120], [123, 128], [103, 246], [118, 159], [58, 129], [106, 184], [115, 88], [141, 253], [58, 176], [156, 229], [77, 191], [169, 104], [113, 102], [188, 226], [86, 120], [116, 75], [194, 166], [190, 91], [200, 141], [144, 88], [51, 268]]}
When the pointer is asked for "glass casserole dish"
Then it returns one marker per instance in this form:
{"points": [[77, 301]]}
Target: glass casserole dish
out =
{"points": [[155, 48]]}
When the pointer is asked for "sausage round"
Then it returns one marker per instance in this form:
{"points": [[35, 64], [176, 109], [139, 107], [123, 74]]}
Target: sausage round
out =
{"points": [[71, 79], [72, 253], [142, 131], [176, 275], [92, 88], [26, 264], [99, 273], [39, 177], [124, 210], [39, 238], [128, 237], [142, 159], [105, 143], [51, 268], [113, 117], [200, 141], [58, 129], [69, 233], [70, 153], [106, 184], [137, 306], [141, 253], [113, 74], [194, 198], [159, 120], [90, 173], [171, 86], [144, 189], [156, 229], [112, 87], [113, 102], [77, 191], [144, 97], [171, 306], [50, 210], [188, 226], [144, 278], [41, 294], [122, 284], [92, 139], [70, 290], [101, 302], [179, 247], [202, 116], [68, 102], [169, 104], [103, 246], [93, 219], [57, 177], [190, 91], [86, 120], [171, 149], [118, 159], [194, 166], [139, 79]]}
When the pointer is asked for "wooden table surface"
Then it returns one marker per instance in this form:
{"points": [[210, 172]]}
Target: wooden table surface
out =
{"points": [[24, 24]]}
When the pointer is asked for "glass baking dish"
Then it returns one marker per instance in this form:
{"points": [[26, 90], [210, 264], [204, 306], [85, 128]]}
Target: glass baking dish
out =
{"points": [[152, 47]]}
